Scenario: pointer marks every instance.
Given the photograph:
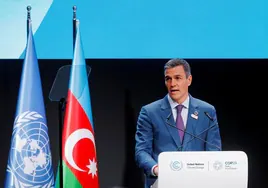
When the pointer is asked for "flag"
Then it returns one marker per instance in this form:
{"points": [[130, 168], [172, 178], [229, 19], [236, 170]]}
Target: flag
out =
{"points": [[78, 140], [30, 160]]}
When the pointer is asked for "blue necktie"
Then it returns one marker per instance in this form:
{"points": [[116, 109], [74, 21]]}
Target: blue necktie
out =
{"points": [[179, 122]]}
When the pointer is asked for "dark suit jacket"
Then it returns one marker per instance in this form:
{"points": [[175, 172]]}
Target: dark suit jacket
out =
{"points": [[155, 133]]}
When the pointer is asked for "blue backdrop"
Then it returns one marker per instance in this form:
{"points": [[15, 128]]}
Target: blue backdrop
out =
{"points": [[139, 28]]}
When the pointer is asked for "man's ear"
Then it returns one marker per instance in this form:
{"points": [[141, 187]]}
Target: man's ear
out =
{"points": [[190, 78]]}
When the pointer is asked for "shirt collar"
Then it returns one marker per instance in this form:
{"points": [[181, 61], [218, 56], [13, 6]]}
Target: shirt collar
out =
{"points": [[173, 104]]}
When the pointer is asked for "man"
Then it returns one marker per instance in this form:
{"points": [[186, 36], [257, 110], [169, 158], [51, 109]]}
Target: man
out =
{"points": [[170, 123]]}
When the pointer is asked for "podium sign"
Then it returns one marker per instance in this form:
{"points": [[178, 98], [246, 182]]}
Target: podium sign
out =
{"points": [[204, 169]]}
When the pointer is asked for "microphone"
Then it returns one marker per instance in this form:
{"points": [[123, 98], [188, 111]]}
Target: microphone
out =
{"points": [[195, 136]]}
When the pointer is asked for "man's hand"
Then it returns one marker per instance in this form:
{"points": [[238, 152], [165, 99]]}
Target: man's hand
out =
{"points": [[156, 170]]}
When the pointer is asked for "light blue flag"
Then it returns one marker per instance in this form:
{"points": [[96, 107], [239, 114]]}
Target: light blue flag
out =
{"points": [[30, 160]]}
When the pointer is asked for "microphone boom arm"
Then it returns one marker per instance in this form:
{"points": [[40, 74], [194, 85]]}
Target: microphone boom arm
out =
{"points": [[196, 136]]}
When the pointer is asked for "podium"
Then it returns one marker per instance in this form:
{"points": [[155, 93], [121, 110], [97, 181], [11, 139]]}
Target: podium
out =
{"points": [[204, 169]]}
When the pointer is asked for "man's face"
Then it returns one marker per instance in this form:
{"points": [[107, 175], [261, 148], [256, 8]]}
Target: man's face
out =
{"points": [[177, 84]]}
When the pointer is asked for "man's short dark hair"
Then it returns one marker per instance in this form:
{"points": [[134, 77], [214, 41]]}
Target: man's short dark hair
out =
{"points": [[179, 62]]}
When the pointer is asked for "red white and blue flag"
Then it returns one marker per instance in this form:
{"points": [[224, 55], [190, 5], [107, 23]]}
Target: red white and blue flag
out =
{"points": [[78, 141]]}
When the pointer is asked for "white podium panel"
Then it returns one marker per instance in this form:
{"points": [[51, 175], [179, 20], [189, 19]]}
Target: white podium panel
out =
{"points": [[206, 169]]}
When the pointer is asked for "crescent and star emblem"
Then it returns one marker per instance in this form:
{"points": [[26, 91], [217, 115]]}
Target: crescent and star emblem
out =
{"points": [[71, 141]]}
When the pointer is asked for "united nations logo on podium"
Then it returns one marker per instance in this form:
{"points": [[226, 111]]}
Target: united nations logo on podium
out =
{"points": [[176, 165]]}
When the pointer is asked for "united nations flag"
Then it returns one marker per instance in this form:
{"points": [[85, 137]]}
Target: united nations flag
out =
{"points": [[30, 163]]}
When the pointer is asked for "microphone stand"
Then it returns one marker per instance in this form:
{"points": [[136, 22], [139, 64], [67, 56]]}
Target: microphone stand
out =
{"points": [[195, 136]]}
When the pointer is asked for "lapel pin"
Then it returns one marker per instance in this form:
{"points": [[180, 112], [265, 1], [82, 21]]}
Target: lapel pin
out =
{"points": [[195, 115]]}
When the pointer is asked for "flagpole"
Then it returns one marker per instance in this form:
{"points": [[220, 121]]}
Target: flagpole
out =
{"points": [[28, 22], [74, 25], [61, 109], [61, 117]]}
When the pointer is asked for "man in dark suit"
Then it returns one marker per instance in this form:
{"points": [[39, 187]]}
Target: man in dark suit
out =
{"points": [[157, 122]]}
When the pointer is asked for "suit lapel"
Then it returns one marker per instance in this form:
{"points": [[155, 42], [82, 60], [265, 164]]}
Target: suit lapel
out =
{"points": [[167, 117], [192, 120]]}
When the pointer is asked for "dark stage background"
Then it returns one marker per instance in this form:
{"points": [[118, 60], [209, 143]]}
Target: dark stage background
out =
{"points": [[119, 88]]}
